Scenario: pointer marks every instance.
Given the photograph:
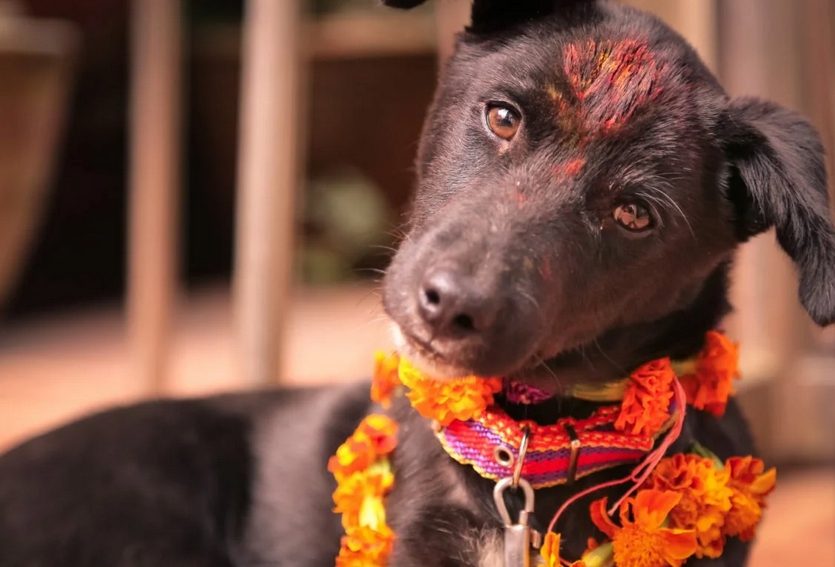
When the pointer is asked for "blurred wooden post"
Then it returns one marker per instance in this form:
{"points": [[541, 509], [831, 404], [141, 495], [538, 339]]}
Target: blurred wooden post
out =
{"points": [[693, 19], [451, 17], [269, 162], [154, 184]]}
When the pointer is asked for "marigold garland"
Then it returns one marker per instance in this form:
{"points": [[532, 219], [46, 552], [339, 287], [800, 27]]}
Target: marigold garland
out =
{"points": [[448, 400], [714, 501], [386, 379], [688, 505], [711, 384], [705, 498], [642, 539], [646, 404], [750, 486], [364, 477]]}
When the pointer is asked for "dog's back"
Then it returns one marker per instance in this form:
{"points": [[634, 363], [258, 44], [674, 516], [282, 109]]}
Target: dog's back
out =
{"points": [[233, 480]]}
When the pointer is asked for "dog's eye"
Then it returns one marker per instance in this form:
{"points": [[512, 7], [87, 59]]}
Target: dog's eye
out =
{"points": [[503, 121], [633, 216]]}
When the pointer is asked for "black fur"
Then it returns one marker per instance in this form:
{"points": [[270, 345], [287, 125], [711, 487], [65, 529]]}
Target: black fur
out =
{"points": [[513, 265]]}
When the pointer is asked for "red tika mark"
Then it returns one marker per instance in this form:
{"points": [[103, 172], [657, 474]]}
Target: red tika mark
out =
{"points": [[545, 270], [607, 83], [570, 169], [574, 167]]}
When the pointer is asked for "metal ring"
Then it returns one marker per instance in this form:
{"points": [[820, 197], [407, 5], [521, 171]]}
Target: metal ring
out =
{"points": [[523, 450], [498, 498], [503, 456]]}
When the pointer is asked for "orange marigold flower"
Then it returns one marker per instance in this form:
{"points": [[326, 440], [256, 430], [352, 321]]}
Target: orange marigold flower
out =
{"points": [[643, 541], [375, 436], [716, 368], [363, 546], [448, 400], [750, 486], [381, 432], [354, 455], [385, 378], [646, 403], [705, 498]]}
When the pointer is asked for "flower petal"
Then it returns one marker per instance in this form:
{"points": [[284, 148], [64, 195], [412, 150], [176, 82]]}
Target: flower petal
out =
{"points": [[651, 507], [550, 550], [601, 518]]}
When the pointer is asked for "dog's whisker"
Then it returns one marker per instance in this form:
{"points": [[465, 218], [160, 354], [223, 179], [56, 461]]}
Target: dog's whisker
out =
{"points": [[665, 201], [607, 357], [533, 301]]}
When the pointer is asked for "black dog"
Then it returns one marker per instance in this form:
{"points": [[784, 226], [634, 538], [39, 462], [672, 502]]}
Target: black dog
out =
{"points": [[571, 223]]}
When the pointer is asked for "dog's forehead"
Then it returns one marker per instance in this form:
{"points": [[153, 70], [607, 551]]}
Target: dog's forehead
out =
{"points": [[599, 84]]}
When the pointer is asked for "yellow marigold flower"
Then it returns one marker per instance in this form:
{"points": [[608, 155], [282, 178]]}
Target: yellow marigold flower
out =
{"points": [[385, 379], [363, 546], [448, 400], [550, 552], [717, 367], [646, 403], [705, 498], [643, 541], [351, 494], [373, 513], [750, 486]]}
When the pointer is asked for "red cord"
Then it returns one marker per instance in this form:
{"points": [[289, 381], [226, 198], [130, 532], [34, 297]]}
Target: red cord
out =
{"points": [[644, 468]]}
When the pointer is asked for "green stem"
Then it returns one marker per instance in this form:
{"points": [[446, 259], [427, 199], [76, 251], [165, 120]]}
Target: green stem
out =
{"points": [[699, 449]]}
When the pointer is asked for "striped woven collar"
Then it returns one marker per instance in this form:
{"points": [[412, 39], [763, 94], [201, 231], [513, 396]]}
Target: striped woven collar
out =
{"points": [[558, 453], [633, 415]]}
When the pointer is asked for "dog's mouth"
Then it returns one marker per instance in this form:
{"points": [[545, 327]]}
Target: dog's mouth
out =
{"points": [[430, 357]]}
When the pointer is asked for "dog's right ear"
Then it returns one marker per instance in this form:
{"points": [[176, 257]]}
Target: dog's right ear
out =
{"points": [[492, 15], [403, 4], [779, 180]]}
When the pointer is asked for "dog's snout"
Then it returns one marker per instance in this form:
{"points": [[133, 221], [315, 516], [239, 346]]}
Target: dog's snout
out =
{"points": [[450, 304]]}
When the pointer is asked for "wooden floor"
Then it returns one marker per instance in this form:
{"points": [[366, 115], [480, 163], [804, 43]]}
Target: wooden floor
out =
{"points": [[63, 367]]}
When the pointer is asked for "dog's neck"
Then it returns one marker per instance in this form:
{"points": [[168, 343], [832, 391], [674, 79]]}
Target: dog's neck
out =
{"points": [[615, 353]]}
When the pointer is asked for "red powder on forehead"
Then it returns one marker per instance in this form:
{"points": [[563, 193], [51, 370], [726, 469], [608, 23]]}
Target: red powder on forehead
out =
{"points": [[607, 81], [573, 167], [545, 270], [569, 169]]}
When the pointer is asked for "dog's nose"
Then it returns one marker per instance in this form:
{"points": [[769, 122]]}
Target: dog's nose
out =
{"points": [[451, 305]]}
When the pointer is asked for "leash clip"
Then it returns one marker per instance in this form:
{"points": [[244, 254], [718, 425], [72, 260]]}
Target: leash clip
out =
{"points": [[519, 537]]}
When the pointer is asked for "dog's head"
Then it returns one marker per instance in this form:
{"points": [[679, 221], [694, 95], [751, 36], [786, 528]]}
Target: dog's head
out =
{"points": [[583, 179]]}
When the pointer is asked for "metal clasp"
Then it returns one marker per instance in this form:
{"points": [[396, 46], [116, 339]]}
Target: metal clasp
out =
{"points": [[519, 537], [574, 457]]}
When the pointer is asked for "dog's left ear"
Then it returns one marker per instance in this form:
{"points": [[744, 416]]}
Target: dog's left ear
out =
{"points": [[778, 180]]}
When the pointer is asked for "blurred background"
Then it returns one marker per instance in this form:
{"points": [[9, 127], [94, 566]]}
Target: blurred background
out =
{"points": [[198, 196]]}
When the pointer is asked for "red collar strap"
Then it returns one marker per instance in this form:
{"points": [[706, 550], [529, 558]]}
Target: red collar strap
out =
{"points": [[555, 454]]}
